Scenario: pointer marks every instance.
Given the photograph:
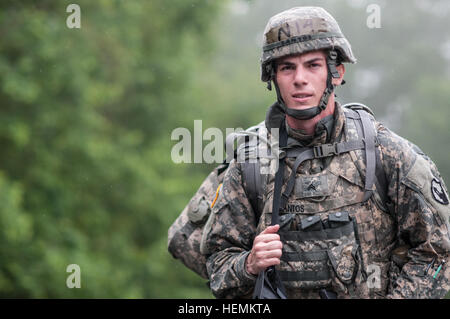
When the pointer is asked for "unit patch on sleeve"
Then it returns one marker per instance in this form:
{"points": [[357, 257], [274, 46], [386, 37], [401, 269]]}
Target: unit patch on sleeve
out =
{"points": [[438, 192]]}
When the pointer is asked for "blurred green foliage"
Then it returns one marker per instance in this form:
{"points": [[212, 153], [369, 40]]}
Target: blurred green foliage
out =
{"points": [[86, 115], [84, 170]]}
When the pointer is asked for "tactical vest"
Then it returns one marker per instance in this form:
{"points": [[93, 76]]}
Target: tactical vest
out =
{"points": [[335, 225]]}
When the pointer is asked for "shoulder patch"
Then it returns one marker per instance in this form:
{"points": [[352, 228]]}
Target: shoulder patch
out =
{"points": [[438, 192], [421, 178]]}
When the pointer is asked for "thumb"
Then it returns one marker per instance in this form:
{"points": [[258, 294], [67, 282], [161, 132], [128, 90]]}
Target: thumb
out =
{"points": [[271, 229]]}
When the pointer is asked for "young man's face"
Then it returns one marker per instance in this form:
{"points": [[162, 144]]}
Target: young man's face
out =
{"points": [[302, 79]]}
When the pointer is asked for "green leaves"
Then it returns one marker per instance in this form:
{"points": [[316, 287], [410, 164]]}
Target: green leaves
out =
{"points": [[84, 175]]}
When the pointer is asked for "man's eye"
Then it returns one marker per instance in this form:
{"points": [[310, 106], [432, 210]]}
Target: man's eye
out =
{"points": [[314, 65], [287, 67]]}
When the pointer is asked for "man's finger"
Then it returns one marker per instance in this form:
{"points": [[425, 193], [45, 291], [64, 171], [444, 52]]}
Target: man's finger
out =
{"points": [[271, 229], [267, 238]]}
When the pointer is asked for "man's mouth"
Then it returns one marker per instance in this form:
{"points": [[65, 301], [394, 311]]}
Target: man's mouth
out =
{"points": [[301, 97]]}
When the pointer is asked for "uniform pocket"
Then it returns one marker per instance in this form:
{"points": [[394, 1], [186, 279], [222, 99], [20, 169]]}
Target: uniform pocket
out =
{"points": [[344, 262], [184, 243]]}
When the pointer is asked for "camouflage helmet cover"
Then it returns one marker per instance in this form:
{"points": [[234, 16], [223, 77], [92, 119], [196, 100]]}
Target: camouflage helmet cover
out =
{"points": [[299, 30]]}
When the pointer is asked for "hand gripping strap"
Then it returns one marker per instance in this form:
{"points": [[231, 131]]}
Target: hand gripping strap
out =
{"points": [[268, 284]]}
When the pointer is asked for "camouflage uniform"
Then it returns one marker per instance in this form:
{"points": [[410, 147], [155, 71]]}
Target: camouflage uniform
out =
{"points": [[366, 260], [418, 221]]}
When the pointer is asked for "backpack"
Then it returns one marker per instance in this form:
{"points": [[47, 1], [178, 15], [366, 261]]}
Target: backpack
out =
{"points": [[185, 234]]}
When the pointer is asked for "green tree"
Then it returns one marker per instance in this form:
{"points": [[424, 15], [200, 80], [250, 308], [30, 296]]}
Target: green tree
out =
{"points": [[84, 127]]}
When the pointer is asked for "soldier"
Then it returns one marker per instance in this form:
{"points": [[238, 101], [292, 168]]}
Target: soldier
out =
{"points": [[363, 213]]}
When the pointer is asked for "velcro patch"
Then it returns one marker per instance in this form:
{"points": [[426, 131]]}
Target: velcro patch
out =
{"points": [[314, 186]]}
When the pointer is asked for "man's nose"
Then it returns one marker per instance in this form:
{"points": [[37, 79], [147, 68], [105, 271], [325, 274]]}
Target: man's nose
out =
{"points": [[300, 76]]}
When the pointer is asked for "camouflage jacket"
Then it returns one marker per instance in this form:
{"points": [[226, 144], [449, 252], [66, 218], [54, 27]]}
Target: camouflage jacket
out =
{"points": [[417, 224]]}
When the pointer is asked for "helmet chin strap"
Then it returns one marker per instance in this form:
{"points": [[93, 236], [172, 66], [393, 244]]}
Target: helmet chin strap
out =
{"points": [[311, 112]]}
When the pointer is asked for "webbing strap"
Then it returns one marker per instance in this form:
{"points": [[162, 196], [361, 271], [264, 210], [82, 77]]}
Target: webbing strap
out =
{"points": [[325, 150], [268, 280], [304, 275], [369, 140], [306, 154], [324, 234], [320, 255], [380, 178], [345, 147], [279, 178], [252, 182], [351, 114]]}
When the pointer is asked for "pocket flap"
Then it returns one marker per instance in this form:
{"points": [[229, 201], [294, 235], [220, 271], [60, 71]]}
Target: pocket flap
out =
{"points": [[199, 209], [343, 262], [309, 221], [345, 167], [339, 217]]}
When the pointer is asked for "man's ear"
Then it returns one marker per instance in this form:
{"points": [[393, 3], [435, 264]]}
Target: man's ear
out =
{"points": [[341, 69]]}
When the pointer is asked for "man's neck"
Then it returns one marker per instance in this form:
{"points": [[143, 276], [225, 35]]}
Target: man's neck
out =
{"points": [[309, 126]]}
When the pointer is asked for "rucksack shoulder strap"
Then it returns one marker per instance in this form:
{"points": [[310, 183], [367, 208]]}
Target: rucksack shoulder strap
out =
{"points": [[358, 106], [253, 186], [363, 118], [251, 164], [369, 141]]}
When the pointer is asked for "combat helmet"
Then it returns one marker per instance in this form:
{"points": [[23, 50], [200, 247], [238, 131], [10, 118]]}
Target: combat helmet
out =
{"points": [[300, 30]]}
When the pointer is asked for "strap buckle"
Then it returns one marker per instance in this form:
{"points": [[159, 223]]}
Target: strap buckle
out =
{"points": [[331, 61], [325, 150]]}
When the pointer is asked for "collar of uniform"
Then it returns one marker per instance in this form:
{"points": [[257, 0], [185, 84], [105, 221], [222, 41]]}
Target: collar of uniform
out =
{"points": [[327, 130], [339, 118], [275, 115]]}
